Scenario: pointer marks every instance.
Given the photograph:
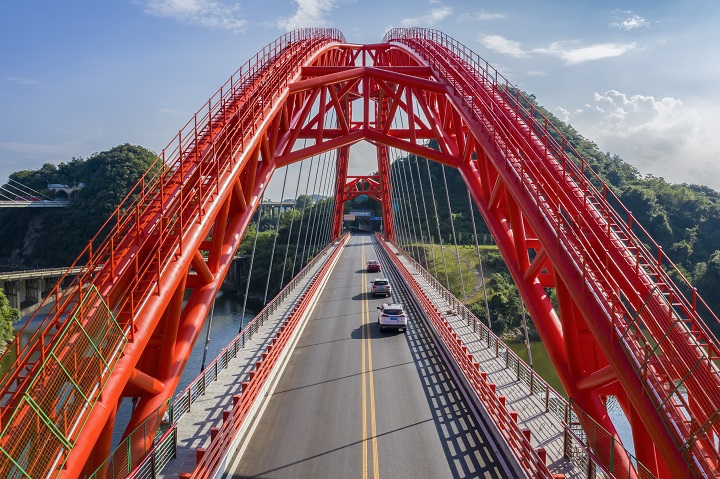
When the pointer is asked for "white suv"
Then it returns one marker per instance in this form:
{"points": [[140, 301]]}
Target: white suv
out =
{"points": [[380, 286], [392, 316]]}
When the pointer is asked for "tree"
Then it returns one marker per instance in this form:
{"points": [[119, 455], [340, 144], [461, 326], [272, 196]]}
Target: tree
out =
{"points": [[8, 315], [302, 202]]}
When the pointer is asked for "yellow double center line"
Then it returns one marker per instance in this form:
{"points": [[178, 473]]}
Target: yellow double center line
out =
{"points": [[367, 382]]}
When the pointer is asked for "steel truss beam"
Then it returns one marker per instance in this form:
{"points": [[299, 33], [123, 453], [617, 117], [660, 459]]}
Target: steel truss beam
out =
{"points": [[194, 206]]}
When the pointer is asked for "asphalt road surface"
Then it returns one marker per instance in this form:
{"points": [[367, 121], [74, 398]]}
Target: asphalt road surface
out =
{"points": [[354, 402]]}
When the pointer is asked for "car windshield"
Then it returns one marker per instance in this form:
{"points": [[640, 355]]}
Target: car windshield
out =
{"points": [[393, 311], [380, 282], [372, 262]]}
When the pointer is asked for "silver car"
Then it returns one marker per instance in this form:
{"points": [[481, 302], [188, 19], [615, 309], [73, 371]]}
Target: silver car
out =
{"points": [[380, 286]]}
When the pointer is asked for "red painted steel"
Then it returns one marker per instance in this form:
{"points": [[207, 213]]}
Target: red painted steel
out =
{"points": [[507, 425], [623, 328], [212, 458]]}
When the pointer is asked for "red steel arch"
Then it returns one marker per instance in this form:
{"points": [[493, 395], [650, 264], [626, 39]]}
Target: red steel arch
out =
{"points": [[623, 327]]}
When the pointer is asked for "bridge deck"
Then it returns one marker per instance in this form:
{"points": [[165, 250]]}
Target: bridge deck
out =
{"points": [[357, 402], [193, 428], [533, 412]]}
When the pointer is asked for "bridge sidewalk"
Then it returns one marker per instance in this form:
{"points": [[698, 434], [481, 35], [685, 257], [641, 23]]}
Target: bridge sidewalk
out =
{"points": [[194, 427], [535, 412]]}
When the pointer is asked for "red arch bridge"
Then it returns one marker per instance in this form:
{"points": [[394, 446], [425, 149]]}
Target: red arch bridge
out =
{"points": [[321, 392]]}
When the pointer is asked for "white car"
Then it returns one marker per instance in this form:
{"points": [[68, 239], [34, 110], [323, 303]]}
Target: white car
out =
{"points": [[392, 316], [380, 286]]}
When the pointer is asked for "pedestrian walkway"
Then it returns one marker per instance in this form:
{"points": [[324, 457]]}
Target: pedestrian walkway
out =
{"points": [[541, 411], [206, 401]]}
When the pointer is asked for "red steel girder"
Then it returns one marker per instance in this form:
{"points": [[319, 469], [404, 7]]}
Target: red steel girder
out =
{"points": [[551, 226]]}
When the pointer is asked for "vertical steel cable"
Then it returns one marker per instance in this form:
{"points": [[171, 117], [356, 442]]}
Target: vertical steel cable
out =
{"points": [[427, 218], [403, 206], [314, 213], [331, 208], [408, 213], [405, 239], [527, 337], [292, 220], [437, 224], [252, 260], [207, 334], [277, 233], [452, 227], [312, 216], [302, 215], [417, 212], [321, 240], [477, 246]]}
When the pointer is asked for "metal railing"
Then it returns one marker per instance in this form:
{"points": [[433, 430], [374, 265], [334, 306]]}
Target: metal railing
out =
{"points": [[557, 179], [155, 217], [578, 449], [126, 461]]}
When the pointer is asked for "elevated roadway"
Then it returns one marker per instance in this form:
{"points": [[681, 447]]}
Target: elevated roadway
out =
{"points": [[355, 402]]}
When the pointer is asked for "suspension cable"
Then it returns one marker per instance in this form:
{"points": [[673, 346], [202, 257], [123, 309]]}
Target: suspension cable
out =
{"points": [[311, 215], [277, 233], [315, 209], [525, 327], [437, 223], [417, 212], [320, 240], [252, 259], [403, 205], [302, 215], [314, 212], [330, 183], [292, 220], [427, 219], [477, 246], [207, 334], [452, 227], [402, 209]]}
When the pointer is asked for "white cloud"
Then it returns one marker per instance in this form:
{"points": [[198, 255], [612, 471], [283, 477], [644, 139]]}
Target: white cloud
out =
{"points": [[22, 81], [432, 17], [662, 136], [630, 23], [502, 45], [310, 13], [482, 16], [205, 13], [572, 56]]}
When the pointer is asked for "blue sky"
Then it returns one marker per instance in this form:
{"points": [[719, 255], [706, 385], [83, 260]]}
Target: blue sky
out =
{"points": [[639, 78]]}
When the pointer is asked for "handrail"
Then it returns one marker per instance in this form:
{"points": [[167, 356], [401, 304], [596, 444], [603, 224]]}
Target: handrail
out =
{"points": [[518, 443], [515, 128], [211, 460], [154, 219], [556, 403], [177, 407]]}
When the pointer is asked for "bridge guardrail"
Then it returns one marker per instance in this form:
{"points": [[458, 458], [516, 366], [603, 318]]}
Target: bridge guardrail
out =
{"points": [[126, 461], [507, 425], [672, 322], [213, 457], [168, 201], [578, 442]]}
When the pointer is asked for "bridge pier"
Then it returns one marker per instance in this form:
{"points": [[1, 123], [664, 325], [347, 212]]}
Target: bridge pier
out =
{"points": [[32, 292], [10, 288]]}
